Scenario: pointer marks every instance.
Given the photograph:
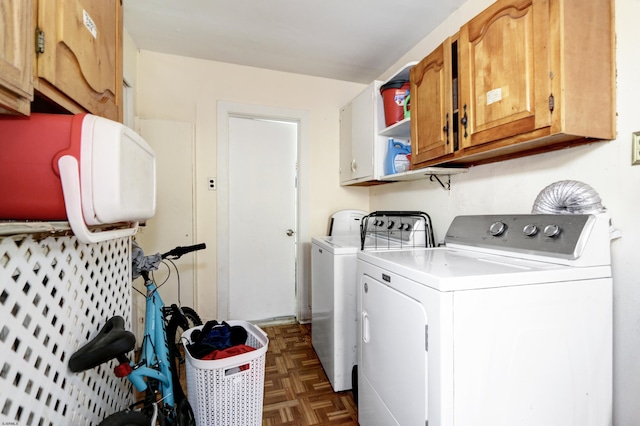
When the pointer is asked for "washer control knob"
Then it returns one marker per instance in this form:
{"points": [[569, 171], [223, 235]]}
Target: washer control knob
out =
{"points": [[391, 223], [530, 230], [497, 228], [551, 231]]}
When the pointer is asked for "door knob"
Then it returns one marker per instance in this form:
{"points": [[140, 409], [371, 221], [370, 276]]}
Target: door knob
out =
{"points": [[290, 232]]}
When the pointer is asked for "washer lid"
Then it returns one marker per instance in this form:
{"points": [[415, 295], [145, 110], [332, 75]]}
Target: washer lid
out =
{"points": [[447, 269], [338, 245], [345, 223]]}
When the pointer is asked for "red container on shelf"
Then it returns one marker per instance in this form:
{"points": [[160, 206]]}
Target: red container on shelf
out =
{"points": [[394, 94]]}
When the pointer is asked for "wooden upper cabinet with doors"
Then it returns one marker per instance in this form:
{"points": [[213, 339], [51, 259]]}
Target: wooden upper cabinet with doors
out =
{"points": [[74, 59], [504, 68], [16, 56], [527, 76], [431, 106], [79, 55]]}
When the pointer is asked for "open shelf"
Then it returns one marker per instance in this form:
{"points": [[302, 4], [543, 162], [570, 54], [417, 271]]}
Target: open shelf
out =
{"points": [[402, 129], [425, 173], [19, 228]]}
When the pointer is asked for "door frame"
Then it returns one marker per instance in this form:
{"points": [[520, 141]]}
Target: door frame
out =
{"points": [[226, 110]]}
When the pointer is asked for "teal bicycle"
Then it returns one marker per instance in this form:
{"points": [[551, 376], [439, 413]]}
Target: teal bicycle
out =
{"points": [[156, 372]]}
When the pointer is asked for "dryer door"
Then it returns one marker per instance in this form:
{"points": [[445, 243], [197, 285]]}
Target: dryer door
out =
{"points": [[392, 376]]}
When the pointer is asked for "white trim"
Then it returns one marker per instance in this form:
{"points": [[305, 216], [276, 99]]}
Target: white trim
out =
{"points": [[303, 269]]}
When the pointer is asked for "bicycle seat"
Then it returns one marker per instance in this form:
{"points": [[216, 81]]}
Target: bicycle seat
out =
{"points": [[112, 340]]}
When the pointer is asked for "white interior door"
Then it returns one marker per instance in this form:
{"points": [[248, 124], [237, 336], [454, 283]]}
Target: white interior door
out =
{"points": [[173, 223], [262, 218]]}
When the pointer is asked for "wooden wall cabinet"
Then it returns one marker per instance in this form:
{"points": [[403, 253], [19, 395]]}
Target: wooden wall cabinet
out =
{"points": [[65, 54], [528, 76], [432, 119], [505, 68], [16, 56], [79, 55]]}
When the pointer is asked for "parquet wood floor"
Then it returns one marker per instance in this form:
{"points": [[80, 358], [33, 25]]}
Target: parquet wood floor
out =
{"points": [[296, 389]]}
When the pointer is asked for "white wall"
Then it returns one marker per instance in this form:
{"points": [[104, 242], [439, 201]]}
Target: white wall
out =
{"points": [[186, 89], [129, 59], [512, 186]]}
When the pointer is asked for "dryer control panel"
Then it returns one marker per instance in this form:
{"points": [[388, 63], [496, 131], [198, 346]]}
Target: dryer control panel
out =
{"points": [[562, 236]]}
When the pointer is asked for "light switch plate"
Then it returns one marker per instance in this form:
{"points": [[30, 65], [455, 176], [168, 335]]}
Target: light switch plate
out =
{"points": [[635, 148]]}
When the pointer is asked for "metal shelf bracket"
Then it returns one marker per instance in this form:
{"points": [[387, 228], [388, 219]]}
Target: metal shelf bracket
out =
{"points": [[446, 186]]}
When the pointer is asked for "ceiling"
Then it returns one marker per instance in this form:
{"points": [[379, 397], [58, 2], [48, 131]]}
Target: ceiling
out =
{"points": [[351, 40]]}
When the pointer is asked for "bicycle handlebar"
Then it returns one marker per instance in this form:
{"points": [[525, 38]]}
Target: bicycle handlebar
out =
{"points": [[177, 252]]}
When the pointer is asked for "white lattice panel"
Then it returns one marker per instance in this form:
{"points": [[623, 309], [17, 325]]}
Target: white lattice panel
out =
{"points": [[54, 295]]}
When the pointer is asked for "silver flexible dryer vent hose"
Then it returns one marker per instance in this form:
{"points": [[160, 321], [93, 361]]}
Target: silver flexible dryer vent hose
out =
{"points": [[568, 197]]}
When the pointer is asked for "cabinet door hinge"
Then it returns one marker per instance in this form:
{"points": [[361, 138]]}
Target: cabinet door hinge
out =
{"points": [[39, 41], [552, 102]]}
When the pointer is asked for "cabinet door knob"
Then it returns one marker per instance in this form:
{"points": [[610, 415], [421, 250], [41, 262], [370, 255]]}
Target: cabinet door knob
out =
{"points": [[354, 165], [465, 120], [445, 129]]}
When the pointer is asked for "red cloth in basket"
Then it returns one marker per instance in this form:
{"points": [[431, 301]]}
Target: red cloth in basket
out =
{"points": [[231, 351]]}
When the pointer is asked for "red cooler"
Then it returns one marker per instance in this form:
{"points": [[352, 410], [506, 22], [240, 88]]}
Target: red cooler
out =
{"points": [[84, 169]]}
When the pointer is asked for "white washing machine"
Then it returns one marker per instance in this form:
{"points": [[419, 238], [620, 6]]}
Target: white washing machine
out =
{"points": [[333, 287], [333, 264], [333, 306], [510, 324]]}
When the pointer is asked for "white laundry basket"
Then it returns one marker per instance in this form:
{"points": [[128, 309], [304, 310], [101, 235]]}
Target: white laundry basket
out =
{"points": [[219, 392]]}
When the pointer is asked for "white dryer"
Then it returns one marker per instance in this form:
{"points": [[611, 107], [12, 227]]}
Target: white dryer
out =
{"points": [[510, 324]]}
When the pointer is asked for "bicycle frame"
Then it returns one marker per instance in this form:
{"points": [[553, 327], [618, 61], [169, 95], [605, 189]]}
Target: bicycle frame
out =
{"points": [[156, 367], [155, 350]]}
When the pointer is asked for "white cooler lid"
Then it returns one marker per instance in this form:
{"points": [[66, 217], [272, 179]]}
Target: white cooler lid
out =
{"points": [[117, 173]]}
